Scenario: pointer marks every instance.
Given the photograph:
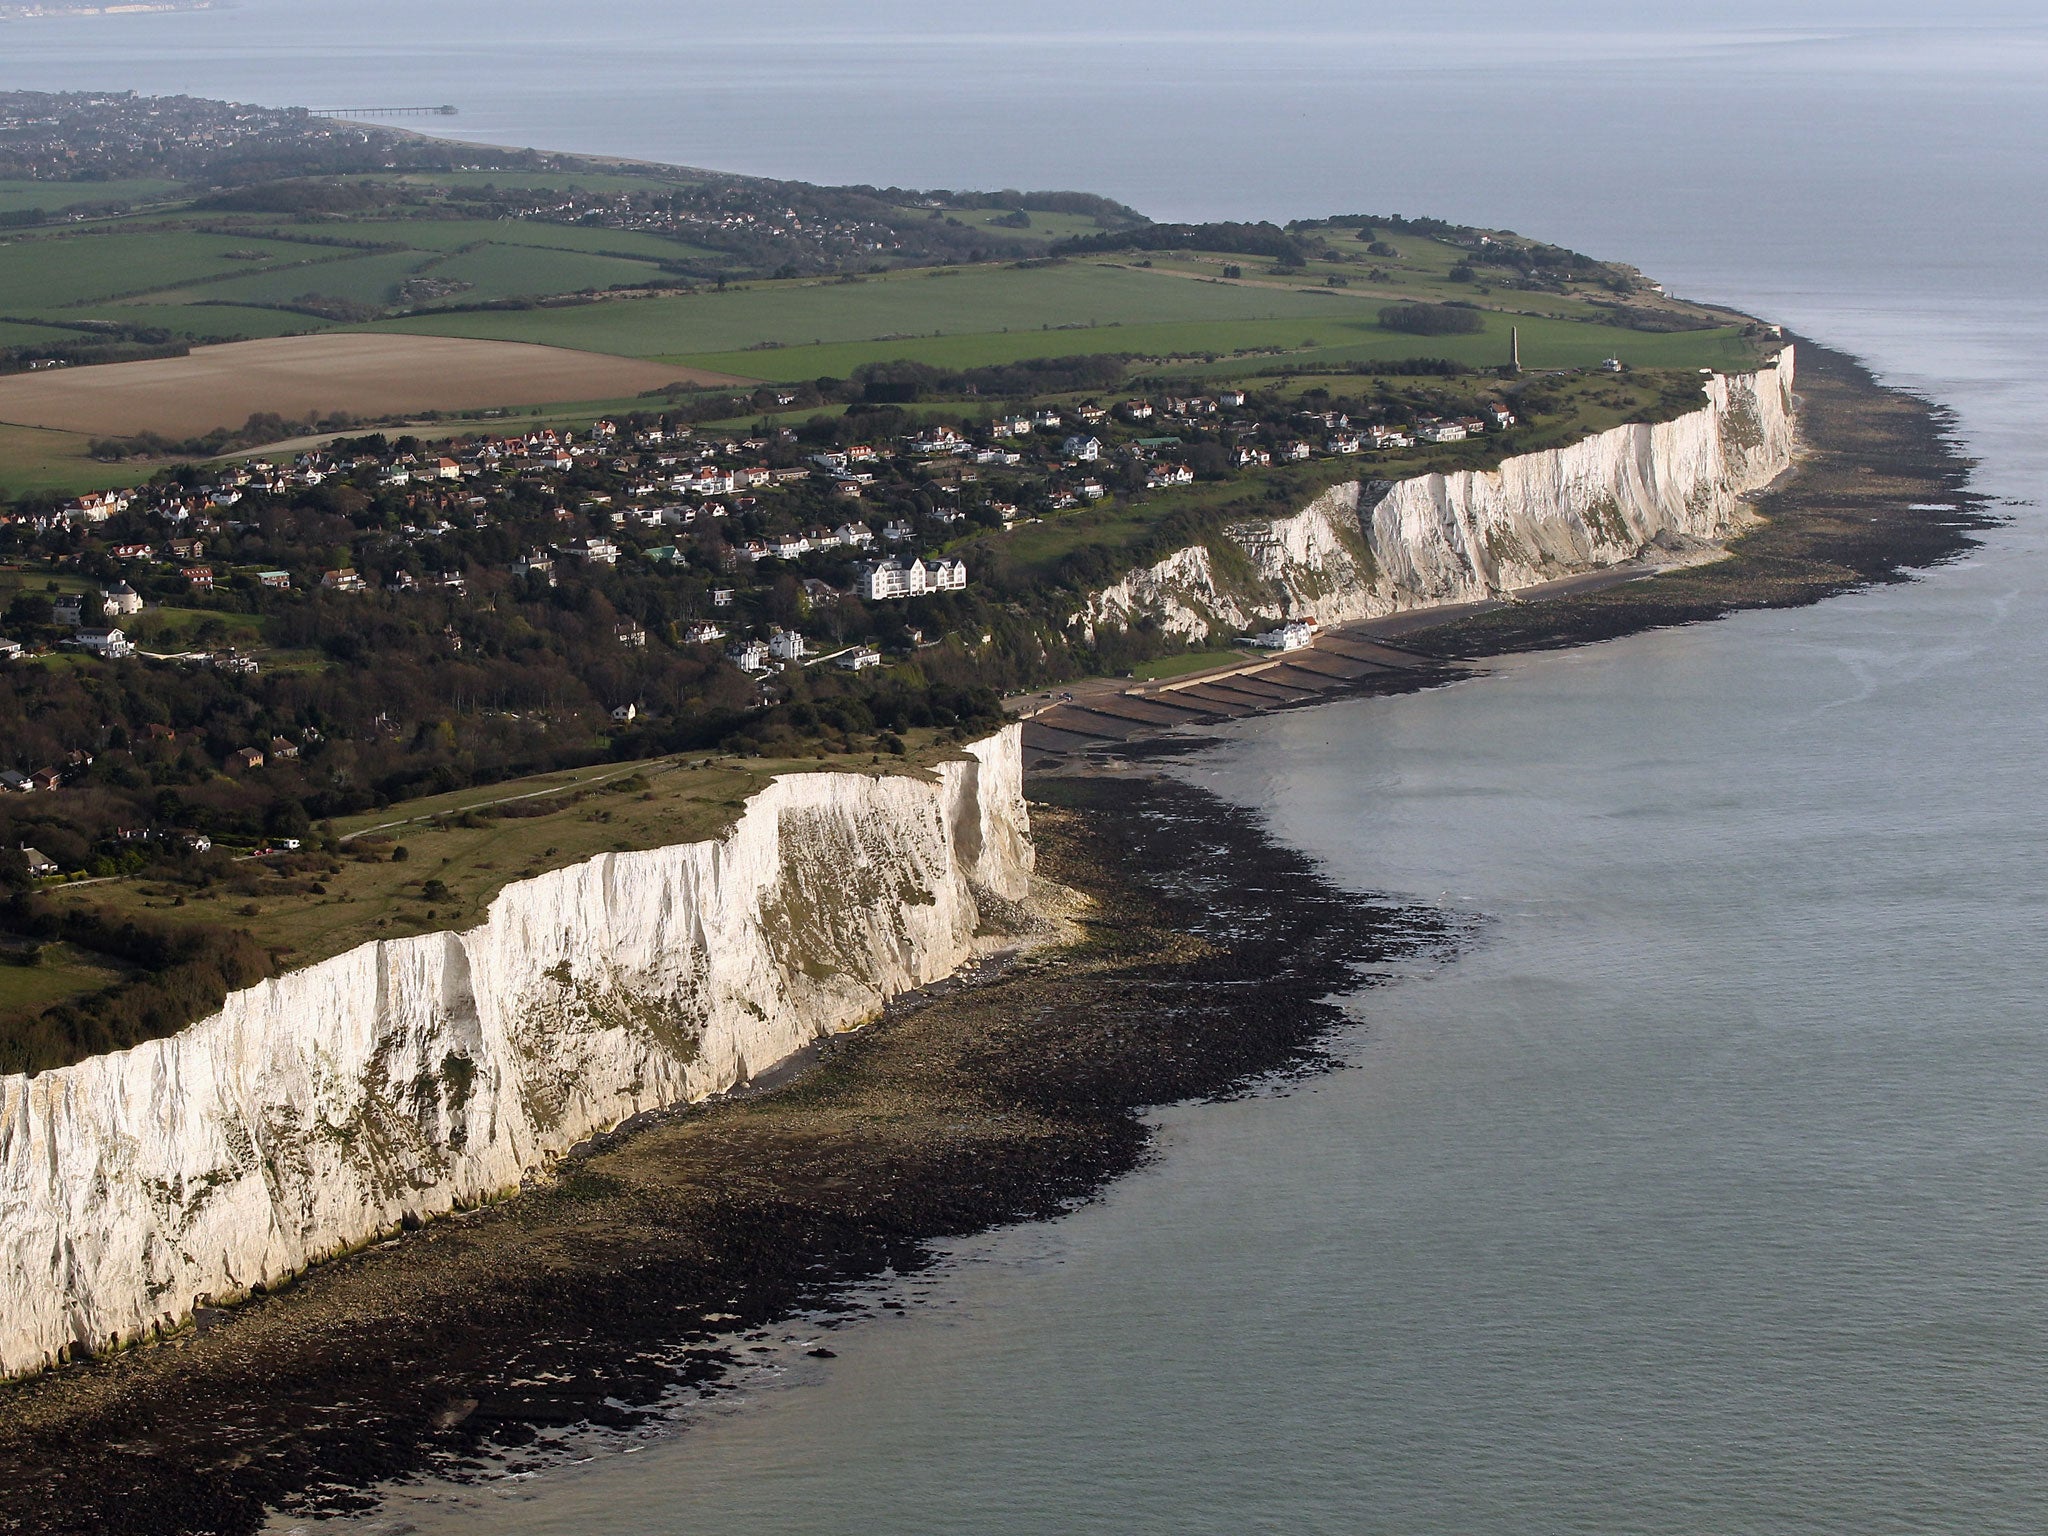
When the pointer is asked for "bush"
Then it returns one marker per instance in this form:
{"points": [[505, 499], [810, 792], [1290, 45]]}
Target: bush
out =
{"points": [[1432, 320]]}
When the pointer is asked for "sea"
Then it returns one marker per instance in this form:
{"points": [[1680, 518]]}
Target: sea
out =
{"points": [[1706, 1191]]}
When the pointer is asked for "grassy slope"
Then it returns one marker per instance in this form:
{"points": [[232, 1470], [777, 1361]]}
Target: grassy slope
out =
{"points": [[53, 195], [43, 273], [669, 801], [919, 303]]}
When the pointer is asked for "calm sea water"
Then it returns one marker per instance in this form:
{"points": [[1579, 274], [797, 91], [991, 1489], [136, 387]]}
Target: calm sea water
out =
{"points": [[1708, 1193]]}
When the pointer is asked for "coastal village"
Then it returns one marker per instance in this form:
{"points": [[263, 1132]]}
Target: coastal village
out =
{"points": [[723, 520]]}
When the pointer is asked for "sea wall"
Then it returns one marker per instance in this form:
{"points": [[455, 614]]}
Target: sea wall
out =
{"points": [[1363, 549], [410, 1076]]}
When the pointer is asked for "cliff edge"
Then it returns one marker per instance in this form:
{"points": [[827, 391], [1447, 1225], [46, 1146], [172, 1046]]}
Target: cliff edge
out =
{"points": [[1364, 549], [408, 1077]]}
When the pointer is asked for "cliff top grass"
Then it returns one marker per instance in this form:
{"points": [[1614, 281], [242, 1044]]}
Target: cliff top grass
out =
{"points": [[436, 863]]}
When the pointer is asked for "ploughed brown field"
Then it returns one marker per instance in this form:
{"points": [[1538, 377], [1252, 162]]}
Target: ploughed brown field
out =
{"points": [[299, 377]]}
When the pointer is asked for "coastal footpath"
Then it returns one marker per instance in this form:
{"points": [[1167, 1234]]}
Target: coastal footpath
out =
{"points": [[409, 1077], [1668, 491]]}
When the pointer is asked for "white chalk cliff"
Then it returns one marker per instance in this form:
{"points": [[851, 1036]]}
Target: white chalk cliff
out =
{"points": [[409, 1076], [1364, 549]]}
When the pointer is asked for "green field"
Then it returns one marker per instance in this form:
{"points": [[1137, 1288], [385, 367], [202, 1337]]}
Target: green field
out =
{"points": [[34, 459], [14, 333], [46, 272], [459, 234], [959, 301], [55, 195], [1180, 666], [202, 321]]}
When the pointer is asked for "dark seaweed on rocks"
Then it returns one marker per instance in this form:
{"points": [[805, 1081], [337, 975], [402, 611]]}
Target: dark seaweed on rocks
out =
{"points": [[1210, 959]]}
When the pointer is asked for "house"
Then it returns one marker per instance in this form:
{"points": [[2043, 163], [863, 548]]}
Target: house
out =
{"points": [[447, 469], [703, 632], [1344, 444], [1611, 365], [1230, 399], [1295, 452], [342, 580], [896, 530], [1086, 450], [402, 581], [69, 609], [630, 634], [110, 643], [626, 714], [819, 594], [1138, 410], [594, 551], [1390, 437], [198, 577], [721, 597], [1501, 417], [10, 650], [749, 656], [1294, 635], [945, 574], [244, 760], [886, 579], [1091, 490], [859, 659], [1010, 426], [46, 779], [1253, 458], [281, 750], [788, 546], [132, 552], [535, 564], [275, 579], [1442, 432], [854, 535], [935, 440], [786, 645], [40, 865], [18, 783], [1163, 475]]}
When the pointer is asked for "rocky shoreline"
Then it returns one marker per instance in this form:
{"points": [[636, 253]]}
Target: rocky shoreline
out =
{"points": [[1206, 959]]}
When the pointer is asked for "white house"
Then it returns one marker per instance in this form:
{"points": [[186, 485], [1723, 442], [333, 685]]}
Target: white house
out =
{"points": [[40, 865], [1291, 636], [860, 658], [786, 645], [703, 632], [110, 643], [1084, 449], [892, 578], [945, 574], [69, 609], [626, 714], [121, 599], [749, 656]]}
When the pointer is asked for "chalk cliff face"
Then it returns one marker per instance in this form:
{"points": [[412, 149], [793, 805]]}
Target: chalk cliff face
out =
{"points": [[1364, 549], [409, 1076]]}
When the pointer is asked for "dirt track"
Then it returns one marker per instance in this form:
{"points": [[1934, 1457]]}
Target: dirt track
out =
{"points": [[299, 377]]}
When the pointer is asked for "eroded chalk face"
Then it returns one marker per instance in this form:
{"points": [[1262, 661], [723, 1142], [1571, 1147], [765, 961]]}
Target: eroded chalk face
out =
{"points": [[408, 1077]]}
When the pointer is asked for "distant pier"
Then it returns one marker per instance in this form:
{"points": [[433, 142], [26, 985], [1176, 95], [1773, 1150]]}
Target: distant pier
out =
{"points": [[382, 111]]}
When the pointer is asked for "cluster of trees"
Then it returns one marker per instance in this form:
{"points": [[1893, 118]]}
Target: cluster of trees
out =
{"points": [[1432, 319], [261, 427], [181, 973], [1262, 239]]}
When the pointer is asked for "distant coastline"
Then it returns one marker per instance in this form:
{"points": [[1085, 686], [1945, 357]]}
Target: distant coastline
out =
{"points": [[53, 8]]}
